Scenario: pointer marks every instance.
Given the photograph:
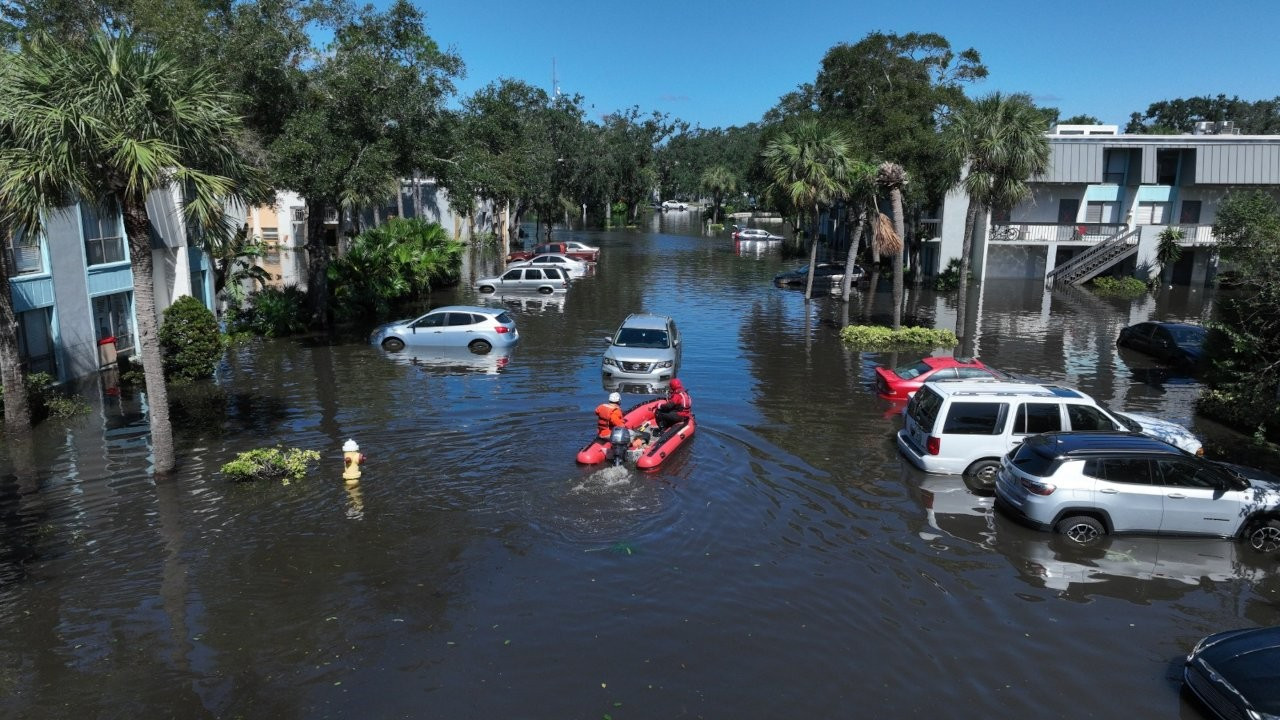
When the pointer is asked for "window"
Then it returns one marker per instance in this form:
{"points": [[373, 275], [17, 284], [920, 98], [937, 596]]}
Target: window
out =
{"points": [[457, 319], [1131, 471], [35, 341], [1180, 473], [1167, 167], [113, 316], [923, 408], [972, 373], [945, 374], [534, 274], [1033, 418], [103, 235], [1152, 213], [908, 372], [1190, 212], [431, 321], [299, 215], [975, 418], [513, 274], [1085, 418], [1027, 459], [24, 254]]}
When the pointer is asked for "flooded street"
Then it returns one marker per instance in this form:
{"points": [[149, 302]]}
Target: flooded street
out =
{"points": [[786, 563]]}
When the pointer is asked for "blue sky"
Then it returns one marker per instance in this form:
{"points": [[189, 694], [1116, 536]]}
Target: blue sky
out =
{"points": [[715, 63]]}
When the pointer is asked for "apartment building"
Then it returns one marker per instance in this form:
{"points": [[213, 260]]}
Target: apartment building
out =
{"points": [[1104, 201]]}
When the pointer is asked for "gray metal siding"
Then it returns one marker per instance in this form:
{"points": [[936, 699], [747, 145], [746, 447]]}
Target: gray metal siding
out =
{"points": [[1237, 164], [166, 223], [76, 334], [1074, 163], [1149, 165]]}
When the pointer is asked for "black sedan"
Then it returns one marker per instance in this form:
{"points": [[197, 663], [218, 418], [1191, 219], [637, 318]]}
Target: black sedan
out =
{"points": [[1236, 674], [1176, 343], [827, 276]]}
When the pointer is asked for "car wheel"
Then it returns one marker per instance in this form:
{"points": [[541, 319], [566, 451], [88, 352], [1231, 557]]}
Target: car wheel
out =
{"points": [[393, 344], [984, 472], [486, 288], [1265, 536], [1081, 530], [480, 347], [545, 290]]}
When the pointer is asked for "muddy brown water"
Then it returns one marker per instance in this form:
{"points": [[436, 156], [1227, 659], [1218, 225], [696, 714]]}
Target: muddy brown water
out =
{"points": [[786, 563]]}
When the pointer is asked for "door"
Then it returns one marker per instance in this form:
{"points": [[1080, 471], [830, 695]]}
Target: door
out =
{"points": [[461, 329], [428, 330], [1124, 488], [1033, 418], [1068, 209], [512, 278], [1196, 499]]}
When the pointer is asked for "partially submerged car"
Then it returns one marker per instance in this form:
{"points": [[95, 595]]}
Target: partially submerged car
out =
{"points": [[827, 276], [1181, 344], [479, 329], [645, 349]]}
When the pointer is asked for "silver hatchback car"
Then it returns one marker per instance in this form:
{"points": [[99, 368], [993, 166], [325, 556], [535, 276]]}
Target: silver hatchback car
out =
{"points": [[1084, 485], [645, 349], [479, 329]]}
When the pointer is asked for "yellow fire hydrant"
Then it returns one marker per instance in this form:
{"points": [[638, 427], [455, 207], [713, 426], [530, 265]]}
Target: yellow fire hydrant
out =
{"points": [[351, 459]]}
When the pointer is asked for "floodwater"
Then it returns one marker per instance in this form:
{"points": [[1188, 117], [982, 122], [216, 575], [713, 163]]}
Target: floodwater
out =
{"points": [[786, 563]]}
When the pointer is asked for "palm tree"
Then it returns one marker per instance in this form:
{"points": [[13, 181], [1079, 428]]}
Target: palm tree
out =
{"points": [[862, 191], [1001, 140], [893, 178], [111, 122], [719, 181], [810, 166]]}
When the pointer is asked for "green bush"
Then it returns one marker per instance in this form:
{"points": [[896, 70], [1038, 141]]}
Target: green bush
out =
{"points": [[1252, 412], [1128, 287], [876, 337], [271, 312], [398, 261], [190, 342], [271, 464], [46, 400], [949, 278]]}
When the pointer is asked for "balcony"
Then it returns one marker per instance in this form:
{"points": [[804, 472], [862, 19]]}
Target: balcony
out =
{"points": [[1037, 232]]}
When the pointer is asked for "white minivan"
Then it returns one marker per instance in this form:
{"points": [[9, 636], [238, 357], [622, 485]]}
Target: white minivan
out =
{"points": [[966, 426]]}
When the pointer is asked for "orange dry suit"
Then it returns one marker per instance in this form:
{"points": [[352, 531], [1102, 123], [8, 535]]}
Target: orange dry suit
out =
{"points": [[608, 417]]}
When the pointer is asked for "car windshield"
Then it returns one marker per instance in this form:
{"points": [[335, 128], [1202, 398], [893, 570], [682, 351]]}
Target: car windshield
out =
{"points": [[910, 372], [1130, 425], [635, 337]]}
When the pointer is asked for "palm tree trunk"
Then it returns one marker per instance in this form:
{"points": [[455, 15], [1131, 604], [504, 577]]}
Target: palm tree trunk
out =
{"points": [[317, 263], [895, 196], [400, 198], [417, 195], [17, 411], [138, 226], [813, 255], [966, 249], [851, 258]]}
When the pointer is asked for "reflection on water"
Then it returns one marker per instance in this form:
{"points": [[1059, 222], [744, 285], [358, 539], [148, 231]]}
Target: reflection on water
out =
{"points": [[478, 571], [451, 359]]}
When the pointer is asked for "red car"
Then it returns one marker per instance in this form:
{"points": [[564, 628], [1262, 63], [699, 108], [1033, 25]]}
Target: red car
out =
{"points": [[899, 383]]}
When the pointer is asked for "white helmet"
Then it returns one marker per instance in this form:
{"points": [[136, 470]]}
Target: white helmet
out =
{"points": [[615, 397]]}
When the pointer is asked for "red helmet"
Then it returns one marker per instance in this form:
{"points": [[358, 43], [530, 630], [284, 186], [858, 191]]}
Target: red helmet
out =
{"points": [[676, 384]]}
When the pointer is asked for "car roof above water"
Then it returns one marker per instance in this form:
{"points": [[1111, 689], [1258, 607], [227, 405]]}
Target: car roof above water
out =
{"points": [[646, 320], [1002, 388], [1077, 444]]}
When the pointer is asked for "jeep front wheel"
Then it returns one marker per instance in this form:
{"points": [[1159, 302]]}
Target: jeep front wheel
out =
{"points": [[1265, 536]]}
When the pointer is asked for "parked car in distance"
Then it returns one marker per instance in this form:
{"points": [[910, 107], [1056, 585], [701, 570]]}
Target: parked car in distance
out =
{"points": [[966, 426], [1177, 343], [479, 329], [899, 383], [674, 205], [1084, 485], [646, 348], [545, 280], [745, 233], [827, 276], [1233, 673], [573, 249], [574, 268]]}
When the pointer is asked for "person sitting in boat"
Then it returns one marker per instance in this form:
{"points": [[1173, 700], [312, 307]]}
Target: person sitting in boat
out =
{"points": [[609, 416], [677, 409]]}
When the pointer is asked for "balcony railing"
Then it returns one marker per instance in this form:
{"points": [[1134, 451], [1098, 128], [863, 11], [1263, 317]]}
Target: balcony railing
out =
{"points": [[1037, 232], [1197, 235], [929, 229]]}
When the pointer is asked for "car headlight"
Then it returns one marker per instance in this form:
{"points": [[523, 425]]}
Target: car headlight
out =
{"points": [[665, 364], [610, 361]]}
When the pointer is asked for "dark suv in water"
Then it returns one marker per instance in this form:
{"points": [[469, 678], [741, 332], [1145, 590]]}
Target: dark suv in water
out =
{"points": [[1084, 485]]}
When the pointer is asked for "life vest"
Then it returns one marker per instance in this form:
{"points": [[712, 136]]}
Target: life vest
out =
{"points": [[608, 416], [682, 402]]}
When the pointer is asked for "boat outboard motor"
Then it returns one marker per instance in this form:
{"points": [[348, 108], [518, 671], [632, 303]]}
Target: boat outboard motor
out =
{"points": [[619, 441]]}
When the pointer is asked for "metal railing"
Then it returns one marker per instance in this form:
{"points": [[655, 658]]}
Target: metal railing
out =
{"points": [[1197, 235], [1096, 259], [1040, 232]]}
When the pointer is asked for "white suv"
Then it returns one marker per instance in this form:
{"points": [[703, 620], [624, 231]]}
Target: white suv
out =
{"points": [[966, 426], [644, 350]]}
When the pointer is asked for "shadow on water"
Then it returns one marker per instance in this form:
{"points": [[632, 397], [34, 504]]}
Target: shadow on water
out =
{"points": [[475, 570]]}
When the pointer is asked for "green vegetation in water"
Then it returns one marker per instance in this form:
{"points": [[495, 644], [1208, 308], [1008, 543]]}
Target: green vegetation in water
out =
{"points": [[949, 278], [271, 312], [1129, 287], [877, 337], [285, 465], [47, 400], [189, 341]]}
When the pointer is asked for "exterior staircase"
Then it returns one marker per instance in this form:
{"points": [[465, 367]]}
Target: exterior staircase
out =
{"points": [[1088, 264]]}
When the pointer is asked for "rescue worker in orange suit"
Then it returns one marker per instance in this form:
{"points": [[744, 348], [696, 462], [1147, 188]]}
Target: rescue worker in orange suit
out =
{"points": [[677, 409], [609, 416]]}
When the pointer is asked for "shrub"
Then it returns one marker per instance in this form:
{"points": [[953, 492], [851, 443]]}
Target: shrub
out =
{"points": [[46, 400], [272, 313], [877, 337], [1129, 287], [1252, 412], [271, 464], [949, 278], [190, 342], [401, 260]]}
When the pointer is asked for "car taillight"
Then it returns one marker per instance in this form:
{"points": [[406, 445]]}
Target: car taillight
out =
{"points": [[933, 445], [501, 329], [1037, 488]]}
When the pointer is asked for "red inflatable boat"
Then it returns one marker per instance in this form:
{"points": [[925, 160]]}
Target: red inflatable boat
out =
{"points": [[647, 454]]}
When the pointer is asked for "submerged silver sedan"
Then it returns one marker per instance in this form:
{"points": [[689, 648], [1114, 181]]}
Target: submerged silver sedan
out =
{"points": [[479, 329]]}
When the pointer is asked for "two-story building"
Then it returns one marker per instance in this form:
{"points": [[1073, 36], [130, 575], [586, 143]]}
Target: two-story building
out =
{"points": [[1104, 201]]}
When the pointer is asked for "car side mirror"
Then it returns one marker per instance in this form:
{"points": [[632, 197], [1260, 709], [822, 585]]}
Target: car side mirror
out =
{"points": [[608, 339]]}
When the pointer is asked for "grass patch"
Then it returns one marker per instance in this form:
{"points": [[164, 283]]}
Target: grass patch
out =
{"points": [[285, 465], [1129, 287], [878, 337]]}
